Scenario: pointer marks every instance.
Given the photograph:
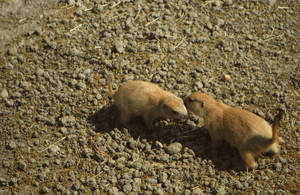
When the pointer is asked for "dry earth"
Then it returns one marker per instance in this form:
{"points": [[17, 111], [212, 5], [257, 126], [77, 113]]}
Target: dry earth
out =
{"points": [[57, 121]]}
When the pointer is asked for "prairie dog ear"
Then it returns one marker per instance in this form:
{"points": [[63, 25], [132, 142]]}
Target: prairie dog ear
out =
{"points": [[191, 99]]}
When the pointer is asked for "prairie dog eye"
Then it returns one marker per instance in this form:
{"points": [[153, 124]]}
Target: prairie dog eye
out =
{"points": [[174, 112], [192, 99]]}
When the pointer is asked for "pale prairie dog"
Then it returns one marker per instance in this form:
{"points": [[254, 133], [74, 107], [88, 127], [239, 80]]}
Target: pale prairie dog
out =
{"points": [[247, 132], [144, 99]]}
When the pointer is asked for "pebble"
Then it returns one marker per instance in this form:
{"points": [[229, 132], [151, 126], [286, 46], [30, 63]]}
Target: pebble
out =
{"points": [[278, 165], [44, 190], [22, 165], [227, 77], [199, 84], [9, 103], [113, 191], [119, 46], [91, 181], [81, 85], [67, 121], [174, 148], [163, 177], [12, 51], [127, 188], [227, 2], [11, 145], [53, 149], [197, 191], [221, 190], [4, 93], [238, 185], [132, 144], [158, 144], [3, 182], [63, 130]]}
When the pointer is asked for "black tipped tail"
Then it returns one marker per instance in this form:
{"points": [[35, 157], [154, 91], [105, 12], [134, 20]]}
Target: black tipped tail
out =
{"points": [[276, 124], [109, 83]]}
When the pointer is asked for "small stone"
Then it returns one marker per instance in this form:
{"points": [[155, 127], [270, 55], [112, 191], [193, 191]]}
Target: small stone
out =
{"points": [[197, 191], [44, 190], [238, 185], [227, 2], [158, 144], [119, 46], [63, 130], [98, 96], [67, 121], [25, 84], [39, 72], [270, 2], [132, 144], [113, 191], [53, 149], [3, 182], [91, 181], [199, 84], [127, 188], [147, 148], [9, 103], [282, 160], [5, 164], [81, 85], [4, 93], [81, 76], [163, 177], [98, 157], [159, 191], [22, 165], [221, 190], [11, 145], [187, 192], [249, 37], [227, 77], [174, 148], [78, 12], [87, 71], [278, 165], [281, 141], [12, 51]]}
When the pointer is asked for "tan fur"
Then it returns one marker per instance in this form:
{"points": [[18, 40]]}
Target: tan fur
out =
{"points": [[140, 98], [249, 133]]}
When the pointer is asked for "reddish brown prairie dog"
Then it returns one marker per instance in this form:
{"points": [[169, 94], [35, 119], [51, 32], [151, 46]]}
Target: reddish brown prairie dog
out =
{"points": [[140, 98], [249, 133]]}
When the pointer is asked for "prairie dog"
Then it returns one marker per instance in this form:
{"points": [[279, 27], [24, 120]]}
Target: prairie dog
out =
{"points": [[140, 98], [247, 132]]}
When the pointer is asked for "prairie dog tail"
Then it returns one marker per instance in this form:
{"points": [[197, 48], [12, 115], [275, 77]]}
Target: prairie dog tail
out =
{"points": [[111, 92], [275, 127]]}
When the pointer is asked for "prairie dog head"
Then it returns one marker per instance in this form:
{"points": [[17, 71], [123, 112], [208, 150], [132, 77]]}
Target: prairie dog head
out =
{"points": [[195, 103], [173, 107]]}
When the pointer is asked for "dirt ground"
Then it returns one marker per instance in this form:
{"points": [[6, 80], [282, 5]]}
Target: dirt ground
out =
{"points": [[57, 123]]}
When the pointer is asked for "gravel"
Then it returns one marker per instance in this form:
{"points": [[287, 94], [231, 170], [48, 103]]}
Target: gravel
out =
{"points": [[59, 130]]}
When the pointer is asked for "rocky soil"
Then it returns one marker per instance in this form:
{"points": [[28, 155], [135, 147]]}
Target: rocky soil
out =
{"points": [[58, 132]]}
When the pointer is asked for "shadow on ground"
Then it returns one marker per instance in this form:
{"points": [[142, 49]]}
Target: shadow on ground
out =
{"points": [[226, 158]]}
